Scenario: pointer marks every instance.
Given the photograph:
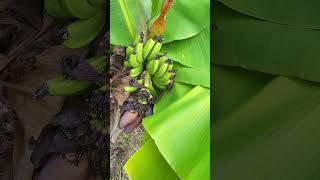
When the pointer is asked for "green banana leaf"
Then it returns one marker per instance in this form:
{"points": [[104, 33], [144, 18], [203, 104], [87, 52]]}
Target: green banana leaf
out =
{"points": [[265, 46], [272, 133], [185, 19], [192, 52], [238, 86], [156, 6], [125, 19], [187, 162], [187, 118], [84, 31], [300, 13], [55, 8], [193, 76], [266, 124], [169, 97], [148, 163]]}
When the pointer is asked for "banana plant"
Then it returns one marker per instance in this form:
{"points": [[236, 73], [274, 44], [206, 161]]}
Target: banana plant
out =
{"points": [[90, 21], [266, 100], [90, 15], [175, 35]]}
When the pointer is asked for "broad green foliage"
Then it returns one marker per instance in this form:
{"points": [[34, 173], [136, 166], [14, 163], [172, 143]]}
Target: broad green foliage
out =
{"points": [[181, 119], [193, 76], [233, 86], [156, 6], [266, 46], [55, 8], [174, 122], [266, 119], [123, 21], [82, 32], [300, 13], [185, 20], [148, 163], [179, 128], [91, 19], [192, 52], [272, 133], [177, 92]]}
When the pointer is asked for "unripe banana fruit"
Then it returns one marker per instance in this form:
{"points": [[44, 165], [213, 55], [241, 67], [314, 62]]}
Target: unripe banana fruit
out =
{"points": [[159, 72], [133, 59], [130, 49], [148, 47], [62, 86], [139, 51], [127, 64], [130, 89], [136, 71], [153, 66], [155, 50]]}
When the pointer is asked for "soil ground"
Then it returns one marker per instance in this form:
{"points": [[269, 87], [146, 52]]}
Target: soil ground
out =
{"points": [[33, 115], [125, 146]]}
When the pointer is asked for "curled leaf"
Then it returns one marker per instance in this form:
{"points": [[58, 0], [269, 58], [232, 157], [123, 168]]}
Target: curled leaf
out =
{"points": [[158, 27]]}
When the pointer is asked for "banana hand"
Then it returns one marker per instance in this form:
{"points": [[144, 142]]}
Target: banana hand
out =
{"points": [[161, 70], [148, 47], [136, 71], [155, 51], [130, 49], [133, 60]]}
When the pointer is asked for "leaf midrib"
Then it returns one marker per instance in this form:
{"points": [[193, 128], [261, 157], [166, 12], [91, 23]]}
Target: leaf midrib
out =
{"points": [[125, 12]]}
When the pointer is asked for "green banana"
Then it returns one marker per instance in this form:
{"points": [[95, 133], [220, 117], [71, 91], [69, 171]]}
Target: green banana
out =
{"points": [[162, 87], [148, 47], [140, 81], [134, 72], [152, 90], [168, 81], [81, 9], [130, 89], [61, 86], [163, 59], [127, 64], [161, 70], [64, 87], [55, 8], [148, 84], [153, 66], [164, 78], [130, 49], [133, 59], [170, 66], [149, 66], [173, 74], [155, 51], [83, 32], [139, 51]]}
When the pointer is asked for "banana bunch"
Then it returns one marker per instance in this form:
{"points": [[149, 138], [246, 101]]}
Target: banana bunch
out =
{"points": [[155, 72], [64, 86], [91, 15]]}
